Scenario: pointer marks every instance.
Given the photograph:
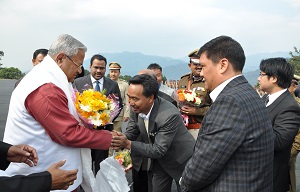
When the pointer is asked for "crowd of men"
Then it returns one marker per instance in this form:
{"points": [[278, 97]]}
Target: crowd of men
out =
{"points": [[236, 140]]}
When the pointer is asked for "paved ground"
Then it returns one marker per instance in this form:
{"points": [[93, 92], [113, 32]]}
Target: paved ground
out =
{"points": [[6, 88]]}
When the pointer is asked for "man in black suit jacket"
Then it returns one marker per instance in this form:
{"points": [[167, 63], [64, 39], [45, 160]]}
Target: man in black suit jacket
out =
{"points": [[166, 142], [275, 78], [98, 69], [54, 178]]}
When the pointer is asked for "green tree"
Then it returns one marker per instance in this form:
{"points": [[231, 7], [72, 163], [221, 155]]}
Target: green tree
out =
{"points": [[125, 77], [164, 78], [295, 60], [1, 55], [11, 73]]}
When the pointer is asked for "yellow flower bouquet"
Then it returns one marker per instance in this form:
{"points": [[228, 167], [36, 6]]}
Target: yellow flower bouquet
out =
{"points": [[95, 109]]}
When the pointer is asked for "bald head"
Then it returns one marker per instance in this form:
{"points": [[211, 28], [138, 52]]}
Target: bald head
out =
{"points": [[148, 72]]}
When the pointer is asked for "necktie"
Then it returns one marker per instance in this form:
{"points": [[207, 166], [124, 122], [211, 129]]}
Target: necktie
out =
{"points": [[149, 163], [267, 100], [146, 124], [97, 87]]}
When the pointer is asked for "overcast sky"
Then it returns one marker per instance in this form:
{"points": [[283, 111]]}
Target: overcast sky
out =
{"points": [[170, 28]]}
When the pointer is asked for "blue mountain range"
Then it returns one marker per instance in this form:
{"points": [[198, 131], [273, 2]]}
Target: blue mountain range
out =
{"points": [[173, 69]]}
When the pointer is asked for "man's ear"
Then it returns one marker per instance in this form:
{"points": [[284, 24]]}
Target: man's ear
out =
{"points": [[273, 79], [151, 98], [59, 58], [224, 64]]}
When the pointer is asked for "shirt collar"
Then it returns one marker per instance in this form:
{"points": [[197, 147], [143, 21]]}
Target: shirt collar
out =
{"points": [[274, 96], [215, 93], [94, 80], [144, 116]]}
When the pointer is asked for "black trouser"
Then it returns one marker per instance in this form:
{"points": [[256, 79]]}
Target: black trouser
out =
{"points": [[140, 181], [97, 157], [100, 155]]}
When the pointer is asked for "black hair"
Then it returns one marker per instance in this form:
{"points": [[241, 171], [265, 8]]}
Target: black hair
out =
{"points": [[149, 84], [99, 57], [39, 51], [154, 66], [280, 68], [224, 47]]}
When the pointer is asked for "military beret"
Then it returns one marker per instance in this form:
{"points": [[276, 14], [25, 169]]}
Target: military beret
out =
{"points": [[114, 65], [296, 77], [194, 53]]}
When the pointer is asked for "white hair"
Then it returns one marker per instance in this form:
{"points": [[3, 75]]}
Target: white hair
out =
{"points": [[66, 44]]}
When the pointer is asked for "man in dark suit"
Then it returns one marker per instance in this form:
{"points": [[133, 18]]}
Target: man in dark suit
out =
{"points": [[275, 78], [167, 143], [54, 178], [140, 175], [99, 82], [234, 148]]}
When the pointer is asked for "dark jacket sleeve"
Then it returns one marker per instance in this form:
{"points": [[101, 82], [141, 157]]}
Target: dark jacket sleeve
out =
{"points": [[3, 154], [36, 182]]}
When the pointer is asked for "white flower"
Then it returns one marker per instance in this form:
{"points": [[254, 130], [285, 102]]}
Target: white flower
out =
{"points": [[96, 120], [189, 97], [86, 108], [198, 101]]}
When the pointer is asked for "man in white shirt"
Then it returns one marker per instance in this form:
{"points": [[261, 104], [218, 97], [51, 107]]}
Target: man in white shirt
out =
{"points": [[275, 78]]}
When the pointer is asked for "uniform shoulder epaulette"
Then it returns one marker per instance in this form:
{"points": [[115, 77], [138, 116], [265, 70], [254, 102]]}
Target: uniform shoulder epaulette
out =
{"points": [[188, 74]]}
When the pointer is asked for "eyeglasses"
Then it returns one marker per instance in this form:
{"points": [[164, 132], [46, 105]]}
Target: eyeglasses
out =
{"points": [[79, 66], [261, 74]]}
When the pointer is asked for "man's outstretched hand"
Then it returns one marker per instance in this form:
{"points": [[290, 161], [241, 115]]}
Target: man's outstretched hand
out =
{"points": [[22, 154]]}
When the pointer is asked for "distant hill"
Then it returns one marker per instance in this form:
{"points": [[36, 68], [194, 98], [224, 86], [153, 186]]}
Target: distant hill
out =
{"points": [[253, 61], [132, 62], [252, 76]]}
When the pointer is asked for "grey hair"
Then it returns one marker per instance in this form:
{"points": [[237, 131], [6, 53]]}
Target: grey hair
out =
{"points": [[66, 44]]}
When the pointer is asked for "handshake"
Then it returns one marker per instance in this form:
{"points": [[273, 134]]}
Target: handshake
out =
{"points": [[119, 141]]}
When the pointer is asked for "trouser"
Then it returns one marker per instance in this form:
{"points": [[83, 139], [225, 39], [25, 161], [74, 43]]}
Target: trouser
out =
{"points": [[118, 126], [292, 174], [100, 155], [141, 181], [97, 157], [161, 180]]}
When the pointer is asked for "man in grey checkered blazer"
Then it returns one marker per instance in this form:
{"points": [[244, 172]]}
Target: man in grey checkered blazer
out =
{"points": [[234, 148]]}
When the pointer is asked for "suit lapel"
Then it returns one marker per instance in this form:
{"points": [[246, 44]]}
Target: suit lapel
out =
{"points": [[143, 130], [106, 85], [277, 101], [151, 127], [89, 81]]}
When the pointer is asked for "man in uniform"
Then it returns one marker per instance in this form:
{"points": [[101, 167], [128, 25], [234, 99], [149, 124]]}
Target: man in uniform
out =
{"points": [[114, 73], [296, 144], [193, 81]]}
